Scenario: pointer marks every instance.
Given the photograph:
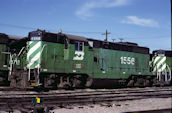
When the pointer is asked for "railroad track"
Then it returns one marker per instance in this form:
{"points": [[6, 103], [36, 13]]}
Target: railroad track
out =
{"points": [[22, 100]]}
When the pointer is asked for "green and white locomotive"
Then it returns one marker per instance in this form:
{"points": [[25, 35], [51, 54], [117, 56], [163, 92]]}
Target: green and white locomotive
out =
{"points": [[62, 60], [162, 65]]}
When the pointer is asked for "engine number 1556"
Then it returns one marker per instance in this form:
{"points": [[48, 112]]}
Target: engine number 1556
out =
{"points": [[127, 60]]}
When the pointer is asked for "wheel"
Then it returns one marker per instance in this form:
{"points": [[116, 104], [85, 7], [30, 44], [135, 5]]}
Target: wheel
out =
{"points": [[89, 82], [155, 81], [64, 83], [76, 83], [146, 83], [139, 82], [13, 83], [130, 83]]}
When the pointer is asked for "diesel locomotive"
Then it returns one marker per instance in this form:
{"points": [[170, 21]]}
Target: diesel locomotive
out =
{"points": [[162, 65], [6, 56], [58, 60]]}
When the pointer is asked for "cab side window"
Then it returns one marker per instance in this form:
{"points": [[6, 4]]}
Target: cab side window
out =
{"points": [[79, 46]]}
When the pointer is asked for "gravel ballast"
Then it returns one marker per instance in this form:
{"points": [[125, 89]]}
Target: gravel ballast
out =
{"points": [[118, 107]]}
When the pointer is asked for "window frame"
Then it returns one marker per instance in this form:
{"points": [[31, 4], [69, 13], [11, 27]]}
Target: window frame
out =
{"points": [[79, 44]]}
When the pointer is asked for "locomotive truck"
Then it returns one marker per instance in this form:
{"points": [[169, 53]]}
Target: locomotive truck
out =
{"points": [[62, 60]]}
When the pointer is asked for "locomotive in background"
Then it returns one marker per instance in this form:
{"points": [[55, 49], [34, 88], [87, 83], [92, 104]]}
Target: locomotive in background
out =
{"points": [[10, 47], [62, 60], [4, 59], [162, 65]]}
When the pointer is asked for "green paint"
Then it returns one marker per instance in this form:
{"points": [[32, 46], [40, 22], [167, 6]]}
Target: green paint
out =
{"points": [[108, 63]]}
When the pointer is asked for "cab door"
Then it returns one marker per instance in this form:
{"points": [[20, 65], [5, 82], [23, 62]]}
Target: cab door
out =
{"points": [[79, 59]]}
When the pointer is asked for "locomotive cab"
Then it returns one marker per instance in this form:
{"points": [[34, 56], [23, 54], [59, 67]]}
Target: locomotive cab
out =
{"points": [[55, 58], [162, 65], [39, 50]]}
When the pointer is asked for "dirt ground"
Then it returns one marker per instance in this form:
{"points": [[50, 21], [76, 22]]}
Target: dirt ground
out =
{"points": [[118, 107]]}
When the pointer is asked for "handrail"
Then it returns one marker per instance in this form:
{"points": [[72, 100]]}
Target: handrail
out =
{"points": [[21, 51]]}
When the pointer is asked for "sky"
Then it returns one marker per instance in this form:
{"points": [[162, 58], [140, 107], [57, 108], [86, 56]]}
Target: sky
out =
{"points": [[146, 22]]}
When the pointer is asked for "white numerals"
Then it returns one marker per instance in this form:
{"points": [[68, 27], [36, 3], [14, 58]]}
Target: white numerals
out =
{"points": [[36, 38], [127, 60]]}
